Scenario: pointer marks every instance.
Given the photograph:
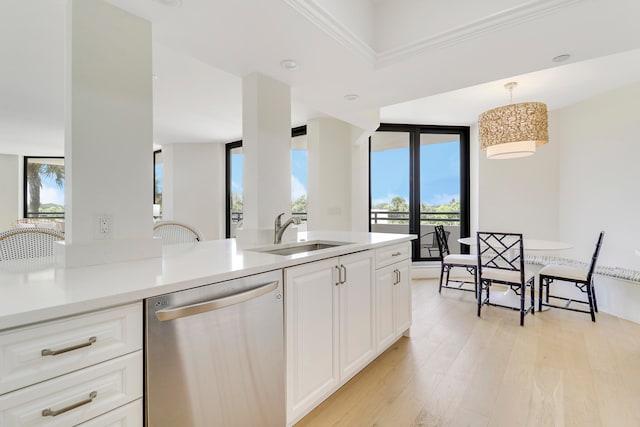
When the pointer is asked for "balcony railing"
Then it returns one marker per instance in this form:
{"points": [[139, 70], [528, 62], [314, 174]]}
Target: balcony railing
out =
{"points": [[389, 217], [48, 215], [426, 218], [236, 217]]}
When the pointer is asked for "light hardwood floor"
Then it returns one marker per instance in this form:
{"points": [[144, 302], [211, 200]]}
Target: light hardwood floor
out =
{"points": [[560, 369]]}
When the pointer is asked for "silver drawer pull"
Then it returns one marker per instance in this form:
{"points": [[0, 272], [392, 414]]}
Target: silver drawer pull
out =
{"points": [[49, 352], [396, 253], [51, 413]]}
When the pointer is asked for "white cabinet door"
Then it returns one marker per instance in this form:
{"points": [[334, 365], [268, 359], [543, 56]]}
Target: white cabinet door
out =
{"points": [[393, 303], [356, 313], [402, 298], [311, 319], [385, 329]]}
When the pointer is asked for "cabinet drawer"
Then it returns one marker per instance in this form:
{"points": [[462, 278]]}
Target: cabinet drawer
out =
{"points": [[86, 394], [394, 253], [129, 415], [37, 353]]}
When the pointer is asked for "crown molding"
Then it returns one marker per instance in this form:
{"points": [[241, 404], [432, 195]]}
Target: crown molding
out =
{"points": [[328, 23]]}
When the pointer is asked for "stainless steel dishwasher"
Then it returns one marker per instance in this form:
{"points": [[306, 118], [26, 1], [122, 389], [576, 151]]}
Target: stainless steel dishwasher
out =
{"points": [[215, 355]]}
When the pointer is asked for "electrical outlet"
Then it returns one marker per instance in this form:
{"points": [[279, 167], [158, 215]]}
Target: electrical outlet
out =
{"points": [[104, 226]]}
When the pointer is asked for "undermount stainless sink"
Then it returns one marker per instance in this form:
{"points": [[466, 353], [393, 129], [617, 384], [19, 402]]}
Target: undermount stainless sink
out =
{"points": [[300, 247]]}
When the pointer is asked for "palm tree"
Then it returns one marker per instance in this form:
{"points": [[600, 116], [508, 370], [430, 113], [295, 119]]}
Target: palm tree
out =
{"points": [[35, 172]]}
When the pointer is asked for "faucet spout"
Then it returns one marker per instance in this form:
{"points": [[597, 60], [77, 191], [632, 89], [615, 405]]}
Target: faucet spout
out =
{"points": [[279, 228]]}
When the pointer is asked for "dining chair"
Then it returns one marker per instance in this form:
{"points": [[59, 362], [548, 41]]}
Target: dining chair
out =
{"points": [[581, 277], [172, 232], [26, 243], [448, 261], [501, 261]]}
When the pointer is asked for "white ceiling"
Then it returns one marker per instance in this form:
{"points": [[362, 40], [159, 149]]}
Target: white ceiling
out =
{"points": [[425, 61]]}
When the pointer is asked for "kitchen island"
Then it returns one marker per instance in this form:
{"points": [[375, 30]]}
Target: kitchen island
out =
{"points": [[37, 296]]}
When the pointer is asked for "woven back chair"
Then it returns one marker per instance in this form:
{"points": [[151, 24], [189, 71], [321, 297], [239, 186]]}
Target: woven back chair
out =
{"points": [[25, 243], [172, 232]]}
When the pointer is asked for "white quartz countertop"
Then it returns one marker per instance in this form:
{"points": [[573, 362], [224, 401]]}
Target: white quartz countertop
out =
{"points": [[36, 290]]}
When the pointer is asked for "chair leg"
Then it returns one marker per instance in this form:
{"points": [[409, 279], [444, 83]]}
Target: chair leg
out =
{"points": [[479, 296], [547, 285], [541, 278], [522, 292], [533, 299], [593, 293], [590, 297], [441, 275], [475, 280]]}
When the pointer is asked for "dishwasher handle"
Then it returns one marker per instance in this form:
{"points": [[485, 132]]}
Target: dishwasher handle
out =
{"points": [[215, 304]]}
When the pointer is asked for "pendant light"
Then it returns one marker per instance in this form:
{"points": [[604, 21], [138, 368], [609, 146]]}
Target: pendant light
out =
{"points": [[513, 130]]}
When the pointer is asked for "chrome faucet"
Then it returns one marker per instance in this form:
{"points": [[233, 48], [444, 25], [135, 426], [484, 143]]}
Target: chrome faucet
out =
{"points": [[278, 229]]}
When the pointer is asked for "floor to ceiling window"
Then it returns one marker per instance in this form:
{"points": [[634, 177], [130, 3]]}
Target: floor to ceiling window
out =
{"points": [[299, 172], [157, 184], [234, 159], [419, 178]]}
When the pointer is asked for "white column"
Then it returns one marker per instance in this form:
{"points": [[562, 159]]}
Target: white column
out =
{"points": [[108, 135], [337, 180], [266, 145], [193, 186]]}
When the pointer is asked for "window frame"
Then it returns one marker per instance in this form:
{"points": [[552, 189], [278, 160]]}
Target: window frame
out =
{"points": [[25, 188], [415, 130]]}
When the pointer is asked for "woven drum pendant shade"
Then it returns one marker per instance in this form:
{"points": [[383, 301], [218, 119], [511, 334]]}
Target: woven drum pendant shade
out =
{"points": [[513, 130]]}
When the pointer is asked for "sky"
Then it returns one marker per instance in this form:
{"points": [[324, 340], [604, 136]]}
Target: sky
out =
{"points": [[50, 192], [439, 174]]}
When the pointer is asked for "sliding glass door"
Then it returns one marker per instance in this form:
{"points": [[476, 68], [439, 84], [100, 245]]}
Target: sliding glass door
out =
{"points": [[419, 178]]}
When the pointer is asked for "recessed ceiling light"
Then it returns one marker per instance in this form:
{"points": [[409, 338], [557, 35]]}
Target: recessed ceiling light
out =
{"points": [[561, 58], [351, 96], [171, 3], [289, 64]]}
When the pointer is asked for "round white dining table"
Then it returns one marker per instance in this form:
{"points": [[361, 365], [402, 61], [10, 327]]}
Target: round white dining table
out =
{"points": [[528, 244]]}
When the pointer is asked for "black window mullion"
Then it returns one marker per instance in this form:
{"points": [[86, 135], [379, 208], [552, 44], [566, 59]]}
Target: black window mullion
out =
{"points": [[414, 190]]}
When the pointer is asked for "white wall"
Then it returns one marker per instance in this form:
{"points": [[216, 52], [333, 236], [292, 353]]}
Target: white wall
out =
{"points": [[519, 195], [598, 189], [599, 176], [193, 186], [9, 190]]}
